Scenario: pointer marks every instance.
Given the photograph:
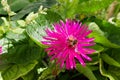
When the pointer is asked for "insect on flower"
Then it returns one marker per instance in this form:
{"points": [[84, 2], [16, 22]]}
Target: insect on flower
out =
{"points": [[68, 42]]}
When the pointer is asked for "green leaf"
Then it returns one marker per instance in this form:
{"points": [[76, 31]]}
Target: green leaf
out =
{"points": [[92, 6], [16, 24], [95, 60], [36, 29], [66, 8], [5, 43], [46, 74], [115, 55], [2, 31], [114, 71], [15, 5], [29, 8], [93, 68], [110, 60], [15, 36], [33, 7], [1, 76], [4, 66], [22, 52], [98, 48], [103, 40], [50, 17], [94, 27], [104, 72], [99, 76], [17, 70], [103, 32], [69, 8], [112, 32], [29, 76], [49, 72], [86, 71]]}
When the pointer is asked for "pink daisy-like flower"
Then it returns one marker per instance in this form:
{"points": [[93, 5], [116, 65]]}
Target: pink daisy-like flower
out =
{"points": [[68, 42]]}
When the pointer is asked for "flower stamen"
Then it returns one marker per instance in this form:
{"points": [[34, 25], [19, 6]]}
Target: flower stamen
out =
{"points": [[72, 41]]}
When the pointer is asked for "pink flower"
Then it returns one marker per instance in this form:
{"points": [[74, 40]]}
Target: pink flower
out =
{"points": [[68, 42], [0, 50]]}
